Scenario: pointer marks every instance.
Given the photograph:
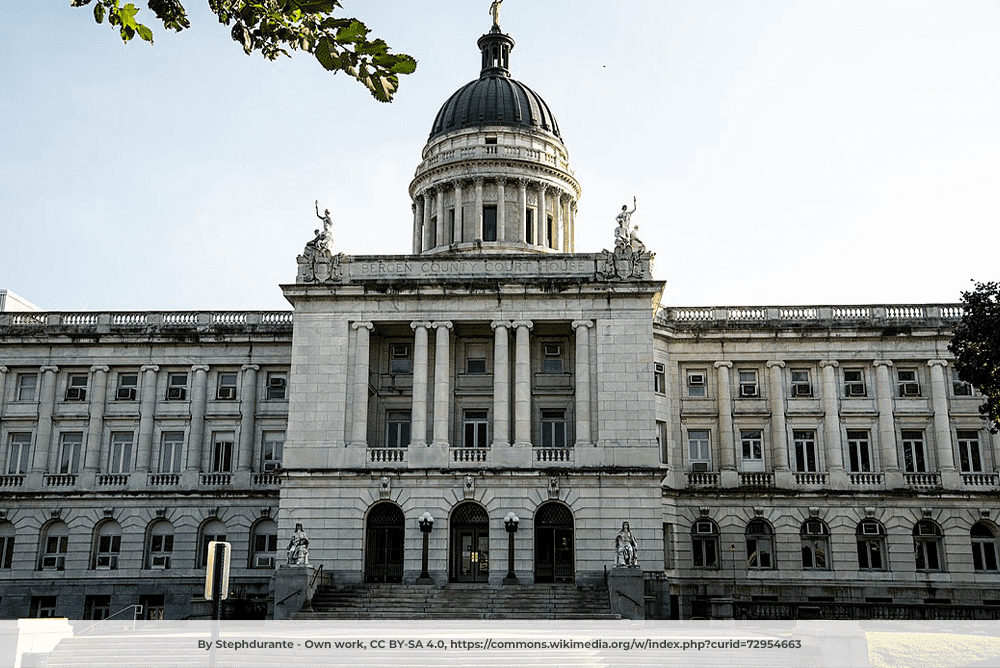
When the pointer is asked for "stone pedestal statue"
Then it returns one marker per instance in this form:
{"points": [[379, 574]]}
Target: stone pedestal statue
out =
{"points": [[626, 548], [298, 547]]}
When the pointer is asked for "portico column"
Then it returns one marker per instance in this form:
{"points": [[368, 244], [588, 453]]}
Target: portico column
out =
{"points": [[479, 208], [522, 384], [779, 431], [886, 423], [442, 228], [359, 424], [457, 234], [831, 418], [582, 392], [572, 232], [942, 421], [542, 225], [418, 413], [147, 404], [200, 457], [95, 433], [501, 384], [522, 210], [428, 239], [727, 442], [418, 221], [501, 208], [442, 384], [248, 410], [46, 403], [557, 234]]}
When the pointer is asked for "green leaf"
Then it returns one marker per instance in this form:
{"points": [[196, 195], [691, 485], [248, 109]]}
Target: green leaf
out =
{"points": [[144, 32], [99, 13]]}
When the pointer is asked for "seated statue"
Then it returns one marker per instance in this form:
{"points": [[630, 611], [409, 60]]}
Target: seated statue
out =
{"points": [[298, 547], [626, 548]]}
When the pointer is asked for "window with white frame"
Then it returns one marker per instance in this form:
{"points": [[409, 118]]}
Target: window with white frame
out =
{"points": [[914, 451], [108, 546], [213, 530], [553, 428], [927, 551], [161, 545], [760, 545], [984, 547], [19, 453], [223, 444], [397, 429], [815, 539], [748, 383], [70, 446], [27, 387], [661, 441], [6, 544], [42, 607], [859, 451], [552, 357], [226, 388], [265, 545], [128, 386], [804, 442], [752, 441], [272, 448], [871, 546], [177, 386], [970, 454], [705, 544], [277, 386], [908, 384], [120, 456], [475, 425], [400, 358], [171, 451], [55, 543], [959, 387], [699, 449], [801, 383], [659, 378], [697, 383], [854, 383], [475, 358], [76, 387]]}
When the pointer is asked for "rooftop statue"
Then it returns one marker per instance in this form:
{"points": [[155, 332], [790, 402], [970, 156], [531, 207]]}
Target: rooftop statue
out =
{"points": [[629, 259], [495, 11], [318, 264]]}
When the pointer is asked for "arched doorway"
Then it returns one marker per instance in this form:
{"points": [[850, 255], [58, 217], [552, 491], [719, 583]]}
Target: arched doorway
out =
{"points": [[554, 543], [384, 544], [470, 543]]}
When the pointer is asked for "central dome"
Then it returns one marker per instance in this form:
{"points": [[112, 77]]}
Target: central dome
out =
{"points": [[495, 98]]}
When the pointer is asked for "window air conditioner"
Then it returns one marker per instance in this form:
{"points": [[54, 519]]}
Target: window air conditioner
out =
{"points": [[696, 379], [401, 351], [659, 367], [962, 389], [227, 392], [814, 528], [106, 562], [553, 350], [160, 562], [926, 529], [264, 562], [870, 529], [53, 563], [703, 527], [276, 382], [176, 393], [855, 389], [125, 394], [75, 394], [748, 389], [909, 390], [801, 390], [699, 466], [271, 466]]}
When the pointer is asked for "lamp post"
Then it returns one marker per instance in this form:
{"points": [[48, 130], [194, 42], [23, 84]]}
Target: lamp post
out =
{"points": [[510, 524], [732, 550], [426, 523]]}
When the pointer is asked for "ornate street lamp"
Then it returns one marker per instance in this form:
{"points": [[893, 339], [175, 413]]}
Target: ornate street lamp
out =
{"points": [[510, 524], [426, 523]]}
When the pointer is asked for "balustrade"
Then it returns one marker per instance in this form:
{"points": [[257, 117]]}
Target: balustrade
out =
{"points": [[265, 479], [216, 479], [810, 478], [60, 480], [979, 479], [553, 454], [112, 480], [163, 479], [756, 479], [469, 454], [865, 479], [923, 480], [11, 480], [702, 479], [382, 455]]}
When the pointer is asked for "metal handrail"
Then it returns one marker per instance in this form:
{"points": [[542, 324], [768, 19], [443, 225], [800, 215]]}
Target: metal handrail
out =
{"points": [[137, 614]]}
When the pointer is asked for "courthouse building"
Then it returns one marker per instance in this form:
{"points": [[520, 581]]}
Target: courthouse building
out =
{"points": [[772, 462]]}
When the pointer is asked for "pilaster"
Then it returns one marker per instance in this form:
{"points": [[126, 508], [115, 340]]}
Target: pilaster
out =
{"points": [[359, 423], [248, 411], [727, 442], [442, 380], [779, 429], [501, 384], [418, 412], [831, 425], [582, 392], [888, 449], [522, 384], [45, 456], [950, 478], [95, 431]]}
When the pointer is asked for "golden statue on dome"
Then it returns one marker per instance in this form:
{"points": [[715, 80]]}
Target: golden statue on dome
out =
{"points": [[495, 11]]}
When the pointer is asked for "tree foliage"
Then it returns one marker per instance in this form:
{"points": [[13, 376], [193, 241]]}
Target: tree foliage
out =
{"points": [[275, 27], [976, 346]]}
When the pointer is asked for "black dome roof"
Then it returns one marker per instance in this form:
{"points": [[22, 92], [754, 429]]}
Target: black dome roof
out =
{"points": [[495, 98]]}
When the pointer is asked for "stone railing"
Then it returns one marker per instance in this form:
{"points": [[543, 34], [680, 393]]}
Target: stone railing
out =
{"points": [[865, 479], [979, 479], [756, 479], [112, 479], [163, 479], [114, 321], [862, 611], [922, 480], [553, 454], [60, 480], [702, 478], [470, 454], [492, 152], [11, 480], [810, 478], [216, 479], [386, 455], [264, 479], [778, 315]]}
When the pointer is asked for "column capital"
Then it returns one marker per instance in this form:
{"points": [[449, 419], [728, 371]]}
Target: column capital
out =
{"points": [[497, 324], [100, 367], [523, 323], [362, 325], [149, 367], [3, 369], [457, 183], [501, 181], [442, 323], [199, 367], [479, 181], [825, 363], [250, 367], [775, 363], [878, 363], [728, 365], [50, 367], [544, 187], [522, 181], [582, 323], [933, 363], [426, 324]]}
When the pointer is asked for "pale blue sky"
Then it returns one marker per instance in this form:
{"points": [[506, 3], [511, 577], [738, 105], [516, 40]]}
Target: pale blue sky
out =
{"points": [[782, 152]]}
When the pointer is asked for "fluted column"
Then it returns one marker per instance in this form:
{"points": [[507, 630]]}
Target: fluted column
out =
{"points": [[45, 459], [727, 443], [831, 417], [542, 224], [457, 234], [418, 412], [522, 209], [779, 431], [442, 226], [942, 422], [479, 208], [418, 221], [248, 410], [522, 383], [582, 392], [147, 406], [359, 423], [886, 424], [557, 235], [442, 381], [501, 209], [501, 383], [427, 229], [95, 433]]}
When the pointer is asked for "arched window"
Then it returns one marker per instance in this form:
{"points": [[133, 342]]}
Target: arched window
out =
{"points": [[107, 546], [984, 547], [160, 545], [760, 545], [264, 544], [6, 544], [705, 544], [55, 541], [927, 551], [210, 530], [871, 546], [815, 545]]}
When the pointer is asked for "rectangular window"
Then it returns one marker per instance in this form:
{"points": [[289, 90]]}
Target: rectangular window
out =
{"points": [[27, 386], [696, 383], [552, 358], [859, 450], [69, 452], [914, 454], [959, 387], [19, 454], [226, 390], [176, 386], [120, 457], [705, 551], [908, 385], [6, 549], [172, 452], [549, 232], [55, 553], [489, 223], [450, 232], [397, 429], [748, 383], [128, 387], [475, 359], [801, 385], [161, 547], [271, 450], [661, 441], [553, 429], [970, 459], [752, 441], [659, 378], [529, 226], [97, 607], [400, 361], [805, 450], [76, 387], [699, 449], [222, 452], [277, 382], [108, 548], [43, 606], [854, 383], [475, 423]]}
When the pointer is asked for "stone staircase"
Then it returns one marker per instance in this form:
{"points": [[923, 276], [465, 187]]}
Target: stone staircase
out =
{"points": [[460, 601]]}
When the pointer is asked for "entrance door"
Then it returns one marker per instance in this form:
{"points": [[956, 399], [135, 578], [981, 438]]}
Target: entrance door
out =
{"points": [[384, 544], [470, 544], [554, 544]]}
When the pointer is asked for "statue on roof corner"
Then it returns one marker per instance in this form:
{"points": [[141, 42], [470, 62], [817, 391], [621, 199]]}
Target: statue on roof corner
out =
{"points": [[318, 264], [629, 259], [495, 11]]}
